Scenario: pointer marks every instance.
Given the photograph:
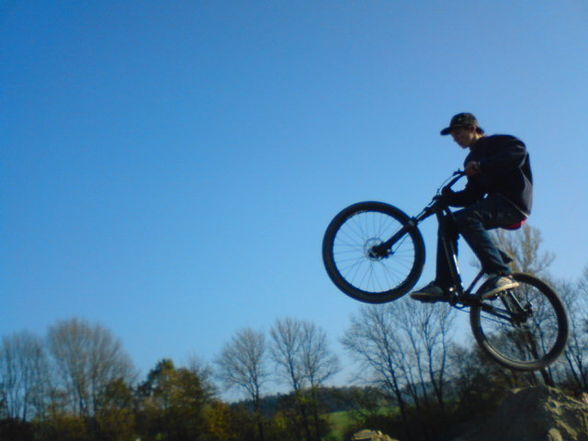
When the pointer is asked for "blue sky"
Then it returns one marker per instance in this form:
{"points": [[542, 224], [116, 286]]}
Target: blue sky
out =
{"points": [[168, 168]]}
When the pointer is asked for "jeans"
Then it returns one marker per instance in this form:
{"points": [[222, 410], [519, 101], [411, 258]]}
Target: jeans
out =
{"points": [[472, 223]]}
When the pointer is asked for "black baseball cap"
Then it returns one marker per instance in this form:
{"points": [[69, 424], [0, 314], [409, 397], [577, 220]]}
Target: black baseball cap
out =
{"points": [[462, 120]]}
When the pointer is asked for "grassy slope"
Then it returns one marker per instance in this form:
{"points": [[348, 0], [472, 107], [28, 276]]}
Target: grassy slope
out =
{"points": [[340, 421]]}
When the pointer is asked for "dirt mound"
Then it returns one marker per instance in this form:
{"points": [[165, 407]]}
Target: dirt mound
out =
{"points": [[370, 435], [534, 414]]}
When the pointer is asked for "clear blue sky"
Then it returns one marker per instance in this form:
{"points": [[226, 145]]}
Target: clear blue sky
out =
{"points": [[168, 168]]}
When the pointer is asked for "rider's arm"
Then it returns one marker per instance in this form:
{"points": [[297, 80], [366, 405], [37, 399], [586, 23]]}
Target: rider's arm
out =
{"points": [[470, 194]]}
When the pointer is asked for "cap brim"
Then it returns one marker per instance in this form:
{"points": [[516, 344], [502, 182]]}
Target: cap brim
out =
{"points": [[448, 130]]}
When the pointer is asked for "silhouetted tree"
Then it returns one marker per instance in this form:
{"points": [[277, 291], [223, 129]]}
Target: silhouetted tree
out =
{"points": [[304, 361], [24, 376], [86, 359], [242, 364]]}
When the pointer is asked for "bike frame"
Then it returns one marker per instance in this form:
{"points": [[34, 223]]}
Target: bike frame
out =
{"points": [[444, 215]]}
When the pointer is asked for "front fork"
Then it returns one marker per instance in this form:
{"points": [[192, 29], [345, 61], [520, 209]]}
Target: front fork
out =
{"points": [[384, 249]]}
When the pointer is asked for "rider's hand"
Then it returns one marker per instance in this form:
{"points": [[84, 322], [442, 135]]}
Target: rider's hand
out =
{"points": [[472, 168], [446, 196]]}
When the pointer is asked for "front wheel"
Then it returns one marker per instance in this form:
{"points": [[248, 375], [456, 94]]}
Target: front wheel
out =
{"points": [[525, 328], [355, 263]]}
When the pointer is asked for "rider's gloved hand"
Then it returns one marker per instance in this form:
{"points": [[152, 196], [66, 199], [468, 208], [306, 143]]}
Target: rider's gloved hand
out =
{"points": [[446, 196], [447, 191], [472, 168]]}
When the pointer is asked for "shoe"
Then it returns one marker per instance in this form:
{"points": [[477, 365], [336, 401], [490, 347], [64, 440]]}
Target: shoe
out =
{"points": [[430, 294], [497, 283]]}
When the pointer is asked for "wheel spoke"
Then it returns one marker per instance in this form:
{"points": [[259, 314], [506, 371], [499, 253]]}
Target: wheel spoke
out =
{"points": [[356, 268], [524, 328]]}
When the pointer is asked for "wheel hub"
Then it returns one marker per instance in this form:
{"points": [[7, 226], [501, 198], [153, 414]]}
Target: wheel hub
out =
{"points": [[372, 251]]}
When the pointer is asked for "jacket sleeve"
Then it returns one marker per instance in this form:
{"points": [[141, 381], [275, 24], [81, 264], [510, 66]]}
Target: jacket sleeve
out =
{"points": [[510, 156], [470, 194]]}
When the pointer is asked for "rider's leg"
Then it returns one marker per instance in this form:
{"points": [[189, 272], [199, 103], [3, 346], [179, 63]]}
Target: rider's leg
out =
{"points": [[448, 232], [439, 288], [474, 221]]}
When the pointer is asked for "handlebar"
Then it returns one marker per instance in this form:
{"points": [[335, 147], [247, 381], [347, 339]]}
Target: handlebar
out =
{"points": [[436, 202], [456, 176]]}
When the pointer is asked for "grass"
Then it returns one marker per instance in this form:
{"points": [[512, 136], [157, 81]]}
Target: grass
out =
{"points": [[340, 421]]}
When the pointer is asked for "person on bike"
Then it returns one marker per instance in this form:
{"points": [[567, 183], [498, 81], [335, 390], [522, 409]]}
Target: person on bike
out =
{"points": [[498, 193]]}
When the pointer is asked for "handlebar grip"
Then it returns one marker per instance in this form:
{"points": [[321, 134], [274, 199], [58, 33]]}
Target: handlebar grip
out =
{"points": [[458, 176]]}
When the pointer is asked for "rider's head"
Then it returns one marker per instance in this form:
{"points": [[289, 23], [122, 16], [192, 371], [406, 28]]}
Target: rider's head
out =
{"points": [[464, 129]]}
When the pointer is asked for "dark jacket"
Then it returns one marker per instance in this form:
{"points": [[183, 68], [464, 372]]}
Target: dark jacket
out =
{"points": [[504, 169]]}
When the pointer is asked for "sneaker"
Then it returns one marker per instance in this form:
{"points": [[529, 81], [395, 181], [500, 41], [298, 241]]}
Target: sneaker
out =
{"points": [[429, 294], [497, 283]]}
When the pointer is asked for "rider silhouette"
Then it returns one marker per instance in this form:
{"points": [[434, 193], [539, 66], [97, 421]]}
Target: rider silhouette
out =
{"points": [[498, 193]]}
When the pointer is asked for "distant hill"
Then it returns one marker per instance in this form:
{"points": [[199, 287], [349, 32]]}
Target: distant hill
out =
{"points": [[333, 399]]}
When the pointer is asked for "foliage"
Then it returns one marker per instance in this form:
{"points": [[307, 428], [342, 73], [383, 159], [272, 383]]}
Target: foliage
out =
{"points": [[219, 419], [115, 419], [172, 404]]}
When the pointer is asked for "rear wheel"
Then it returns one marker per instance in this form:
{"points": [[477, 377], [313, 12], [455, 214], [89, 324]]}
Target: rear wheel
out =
{"points": [[355, 263], [525, 328]]}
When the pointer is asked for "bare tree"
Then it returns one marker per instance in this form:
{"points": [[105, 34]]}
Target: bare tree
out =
{"points": [[404, 347], [23, 375], [524, 247], [286, 346], [374, 340], [86, 358], [428, 333], [304, 362], [242, 364], [319, 364], [576, 355]]}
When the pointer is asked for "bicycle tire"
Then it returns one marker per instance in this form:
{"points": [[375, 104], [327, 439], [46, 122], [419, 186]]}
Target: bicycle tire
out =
{"points": [[346, 242], [535, 334]]}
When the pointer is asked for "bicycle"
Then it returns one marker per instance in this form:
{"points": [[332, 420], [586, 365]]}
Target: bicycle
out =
{"points": [[375, 253]]}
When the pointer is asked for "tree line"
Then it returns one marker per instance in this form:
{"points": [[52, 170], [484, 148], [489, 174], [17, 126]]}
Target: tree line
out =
{"points": [[416, 379], [78, 383]]}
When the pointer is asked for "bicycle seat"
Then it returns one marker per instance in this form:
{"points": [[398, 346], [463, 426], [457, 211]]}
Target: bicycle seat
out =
{"points": [[515, 226]]}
